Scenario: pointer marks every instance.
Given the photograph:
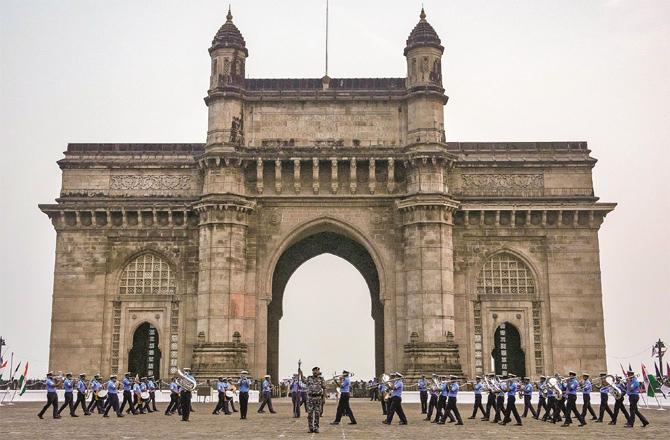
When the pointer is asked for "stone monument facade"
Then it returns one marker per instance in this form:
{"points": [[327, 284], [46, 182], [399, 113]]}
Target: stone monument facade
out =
{"points": [[470, 250]]}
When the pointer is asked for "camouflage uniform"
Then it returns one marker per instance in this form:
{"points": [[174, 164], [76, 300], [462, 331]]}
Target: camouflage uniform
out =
{"points": [[316, 386]]}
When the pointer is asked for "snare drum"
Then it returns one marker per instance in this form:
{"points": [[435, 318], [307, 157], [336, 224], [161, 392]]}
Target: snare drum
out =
{"points": [[144, 395], [229, 394], [102, 394]]}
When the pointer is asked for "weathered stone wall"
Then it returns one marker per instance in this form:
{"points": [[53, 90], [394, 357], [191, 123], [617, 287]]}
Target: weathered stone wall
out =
{"points": [[333, 123]]}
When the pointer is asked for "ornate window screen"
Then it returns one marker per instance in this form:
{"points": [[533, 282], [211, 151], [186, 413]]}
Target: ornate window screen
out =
{"points": [[506, 275], [147, 274]]}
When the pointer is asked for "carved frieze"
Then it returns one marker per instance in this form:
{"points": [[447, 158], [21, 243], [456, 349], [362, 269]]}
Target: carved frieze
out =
{"points": [[503, 181], [151, 181]]}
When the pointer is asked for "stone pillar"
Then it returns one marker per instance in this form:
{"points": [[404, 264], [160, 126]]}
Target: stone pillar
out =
{"points": [[224, 307], [427, 222]]}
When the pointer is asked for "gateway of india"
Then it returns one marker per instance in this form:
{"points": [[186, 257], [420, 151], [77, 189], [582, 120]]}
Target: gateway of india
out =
{"points": [[479, 256]]}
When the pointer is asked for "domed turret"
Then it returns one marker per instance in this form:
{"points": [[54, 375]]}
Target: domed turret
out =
{"points": [[423, 35], [229, 36]]}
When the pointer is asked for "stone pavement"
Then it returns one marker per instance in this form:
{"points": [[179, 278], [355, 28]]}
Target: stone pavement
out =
{"points": [[20, 421]]}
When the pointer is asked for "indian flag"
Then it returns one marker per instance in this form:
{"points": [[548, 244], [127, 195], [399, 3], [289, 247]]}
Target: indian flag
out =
{"points": [[23, 381]]}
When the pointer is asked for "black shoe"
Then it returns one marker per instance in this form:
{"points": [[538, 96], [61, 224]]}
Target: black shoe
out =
{"points": [[260, 412], [316, 430], [582, 424], [593, 419], [471, 418], [334, 423], [402, 423], [383, 421], [120, 415], [612, 423], [627, 425], [484, 419], [87, 414], [598, 421], [352, 423], [564, 425], [73, 415], [518, 424], [275, 412], [440, 423], [644, 425], [215, 413], [105, 415], [459, 423], [40, 416], [57, 417]]}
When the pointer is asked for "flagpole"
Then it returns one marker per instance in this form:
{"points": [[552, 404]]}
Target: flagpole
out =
{"points": [[11, 378]]}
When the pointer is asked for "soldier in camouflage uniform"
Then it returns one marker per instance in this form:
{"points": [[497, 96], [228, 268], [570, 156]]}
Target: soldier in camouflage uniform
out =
{"points": [[316, 392]]}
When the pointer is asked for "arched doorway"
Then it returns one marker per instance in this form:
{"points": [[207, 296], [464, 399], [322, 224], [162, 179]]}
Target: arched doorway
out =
{"points": [[145, 357], [508, 357], [306, 249]]}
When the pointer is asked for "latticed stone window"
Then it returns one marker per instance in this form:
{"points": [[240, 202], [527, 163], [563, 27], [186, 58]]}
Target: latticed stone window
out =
{"points": [[147, 274], [505, 274]]}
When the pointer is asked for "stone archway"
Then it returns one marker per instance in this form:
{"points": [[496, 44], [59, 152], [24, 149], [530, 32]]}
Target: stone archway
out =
{"points": [[144, 357], [305, 249], [508, 356]]}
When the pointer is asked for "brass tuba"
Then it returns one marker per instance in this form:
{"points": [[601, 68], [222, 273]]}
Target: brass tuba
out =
{"points": [[186, 382], [555, 386], [613, 389]]}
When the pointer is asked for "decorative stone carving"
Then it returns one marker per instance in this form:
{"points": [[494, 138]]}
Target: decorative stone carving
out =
{"points": [[502, 182], [150, 181]]}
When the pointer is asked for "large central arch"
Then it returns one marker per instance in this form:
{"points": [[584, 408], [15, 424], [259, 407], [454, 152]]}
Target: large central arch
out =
{"points": [[308, 247]]}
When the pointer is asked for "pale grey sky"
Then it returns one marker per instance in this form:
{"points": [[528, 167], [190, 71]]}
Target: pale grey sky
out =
{"points": [[129, 71]]}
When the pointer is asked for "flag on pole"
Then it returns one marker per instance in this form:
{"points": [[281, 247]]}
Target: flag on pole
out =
{"points": [[15, 370], [3, 364], [623, 371], [645, 384], [23, 381], [654, 386], [658, 371]]}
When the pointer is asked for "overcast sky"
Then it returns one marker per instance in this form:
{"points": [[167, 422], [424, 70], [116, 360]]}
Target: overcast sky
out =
{"points": [[533, 70]]}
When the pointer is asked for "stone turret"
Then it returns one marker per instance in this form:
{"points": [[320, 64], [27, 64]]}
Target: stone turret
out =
{"points": [[224, 97], [424, 81]]}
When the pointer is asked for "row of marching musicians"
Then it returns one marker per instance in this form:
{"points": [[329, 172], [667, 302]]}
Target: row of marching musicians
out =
{"points": [[139, 394], [557, 397]]}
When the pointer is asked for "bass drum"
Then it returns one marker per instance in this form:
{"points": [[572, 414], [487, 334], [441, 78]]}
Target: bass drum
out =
{"points": [[102, 394], [230, 394], [144, 395]]}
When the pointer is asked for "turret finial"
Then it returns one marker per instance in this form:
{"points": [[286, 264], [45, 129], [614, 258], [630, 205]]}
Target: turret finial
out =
{"points": [[422, 16], [229, 17]]}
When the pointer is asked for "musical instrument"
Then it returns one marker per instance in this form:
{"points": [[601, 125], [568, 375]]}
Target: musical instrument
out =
{"points": [[613, 389], [102, 393], [554, 383], [144, 395], [229, 394], [185, 382], [386, 380]]}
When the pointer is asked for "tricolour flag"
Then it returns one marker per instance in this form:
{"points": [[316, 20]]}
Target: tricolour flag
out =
{"points": [[644, 386], [23, 381], [654, 387]]}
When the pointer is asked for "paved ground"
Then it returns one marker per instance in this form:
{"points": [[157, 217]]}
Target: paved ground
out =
{"points": [[20, 421]]}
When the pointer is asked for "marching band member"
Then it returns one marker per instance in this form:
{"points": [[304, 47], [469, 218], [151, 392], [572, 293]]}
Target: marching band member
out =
{"points": [[382, 400], [490, 400], [542, 402], [295, 395], [137, 397], [396, 401], [604, 397], [511, 403], [343, 403], [559, 404], [441, 401], [151, 386], [633, 390], [68, 386], [432, 405], [244, 383], [95, 400], [231, 399], [81, 395], [52, 397], [500, 401], [174, 397], [587, 387], [316, 391], [112, 397], [452, 408], [266, 388], [127, 394], [618, 403], [527, 397], [571, 406], [477, 387], [423, 393], [185, 398], [144, 403], [222, 404]]}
